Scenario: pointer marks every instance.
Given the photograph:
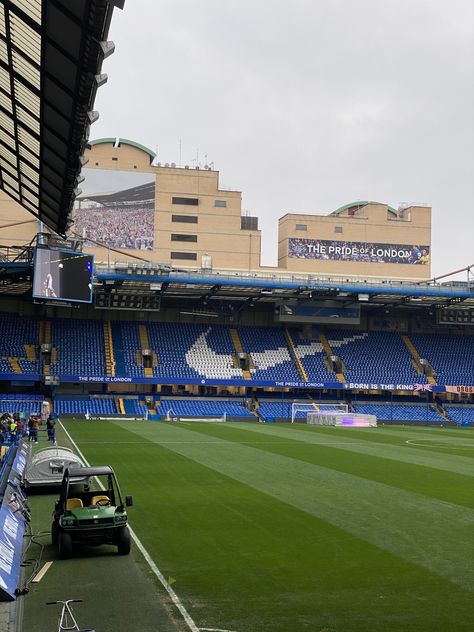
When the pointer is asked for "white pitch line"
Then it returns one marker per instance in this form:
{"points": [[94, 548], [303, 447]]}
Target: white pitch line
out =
{"points": [[214, 630], [218, 442], [174, 597], [433, 443]]}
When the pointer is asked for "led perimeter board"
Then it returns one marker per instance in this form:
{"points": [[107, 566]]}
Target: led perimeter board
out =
{"points": [[63, 275]]}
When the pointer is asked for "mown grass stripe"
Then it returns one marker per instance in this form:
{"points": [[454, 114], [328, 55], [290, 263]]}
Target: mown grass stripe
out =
{"points": [[403, 452], [434, 534], [438, 484]]}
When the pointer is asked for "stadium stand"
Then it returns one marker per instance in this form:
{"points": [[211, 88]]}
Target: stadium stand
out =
{"points": [[376, 356], [80, 347], [93, 405], [135, 407], [126, 345], [460, 414], [193, 351], [16, 332], [270, 354], [451, 356], [27, 403], [400, 412], [204, 408], [311, 353]]}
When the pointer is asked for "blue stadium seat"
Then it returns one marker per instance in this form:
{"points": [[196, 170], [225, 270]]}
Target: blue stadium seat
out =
{"points": [[204, 408]]}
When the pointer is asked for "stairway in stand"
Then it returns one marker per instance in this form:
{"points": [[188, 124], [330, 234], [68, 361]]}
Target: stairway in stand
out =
{"points": [[296, 359], [45, 338], [145, 344], [329, 353], [15, 365], [109, 349], [234, 334], [417, 361]]}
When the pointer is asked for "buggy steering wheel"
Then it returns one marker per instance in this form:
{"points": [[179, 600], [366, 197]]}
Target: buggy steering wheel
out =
{"points": [[103, 502]]}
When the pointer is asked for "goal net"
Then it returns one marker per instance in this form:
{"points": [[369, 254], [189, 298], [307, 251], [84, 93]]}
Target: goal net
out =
{"points": [[301, 410], [171, 416], [347, 420]]}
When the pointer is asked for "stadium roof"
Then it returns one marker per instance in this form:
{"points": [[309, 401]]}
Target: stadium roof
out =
{"points": [[271, 288], [51, 54], [116, 141], [139, 194], [360, 204]]}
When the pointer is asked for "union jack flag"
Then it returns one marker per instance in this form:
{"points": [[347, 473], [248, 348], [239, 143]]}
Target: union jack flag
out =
{"points": [[422, 387]]}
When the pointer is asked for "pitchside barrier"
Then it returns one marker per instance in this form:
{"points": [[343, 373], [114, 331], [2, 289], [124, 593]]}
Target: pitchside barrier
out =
{"points": [[348, 420], [171, 416]]}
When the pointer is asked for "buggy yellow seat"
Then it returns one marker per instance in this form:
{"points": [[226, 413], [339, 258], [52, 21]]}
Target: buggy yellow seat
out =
{"points": [[101, 499], [73, 503]]}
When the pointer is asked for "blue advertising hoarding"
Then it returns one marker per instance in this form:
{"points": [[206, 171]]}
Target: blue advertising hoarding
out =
{"points": [[12, 530]]}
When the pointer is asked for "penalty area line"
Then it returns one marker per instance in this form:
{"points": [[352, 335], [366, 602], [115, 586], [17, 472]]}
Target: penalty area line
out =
{"points": [[154, 568], [214, 630], [433, 443]]}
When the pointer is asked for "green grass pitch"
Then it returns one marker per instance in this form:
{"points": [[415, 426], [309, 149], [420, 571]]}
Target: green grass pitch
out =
{"points": [[289, 528]]}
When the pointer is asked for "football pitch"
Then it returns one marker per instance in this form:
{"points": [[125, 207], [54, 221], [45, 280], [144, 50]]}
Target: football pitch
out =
{"points": [[286, 528]]}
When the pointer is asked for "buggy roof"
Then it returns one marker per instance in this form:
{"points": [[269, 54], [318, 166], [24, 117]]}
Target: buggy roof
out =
{"points": [[99, 470]]}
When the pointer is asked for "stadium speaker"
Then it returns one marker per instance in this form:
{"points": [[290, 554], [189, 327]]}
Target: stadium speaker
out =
{"points": [[107, 49]]}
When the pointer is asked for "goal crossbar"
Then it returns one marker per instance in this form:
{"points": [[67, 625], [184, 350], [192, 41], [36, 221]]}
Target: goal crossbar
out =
{"points": [[300, 407]]}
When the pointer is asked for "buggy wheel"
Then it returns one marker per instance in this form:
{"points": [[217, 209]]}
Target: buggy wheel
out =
{"points": [[54, 534], [65, 545], [123, 541]]}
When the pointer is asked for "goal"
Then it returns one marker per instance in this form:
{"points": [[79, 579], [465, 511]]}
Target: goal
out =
{"points": [[305, 409], [346, 420]]}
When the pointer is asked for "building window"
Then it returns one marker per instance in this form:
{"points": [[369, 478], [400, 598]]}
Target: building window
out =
{"points": [[185, 219], [185, 201], [175, 237], [338, 229], [189, 256], [248, 223], [301, 227], [222, 203], [114, 158]]}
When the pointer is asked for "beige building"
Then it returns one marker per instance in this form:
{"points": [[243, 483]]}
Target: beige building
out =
{"points": [[17, 225], [195, 223], [180, 217], [360, 239]]}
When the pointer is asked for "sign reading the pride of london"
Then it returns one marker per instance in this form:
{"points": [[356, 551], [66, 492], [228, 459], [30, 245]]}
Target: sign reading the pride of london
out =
{"points": [[116, 209], [367, 252]]}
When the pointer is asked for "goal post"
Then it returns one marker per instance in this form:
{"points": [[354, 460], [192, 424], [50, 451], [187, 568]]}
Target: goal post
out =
{"points": [[300, 407]]}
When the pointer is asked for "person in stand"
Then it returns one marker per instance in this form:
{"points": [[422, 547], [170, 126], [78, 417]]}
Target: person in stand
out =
{"points": [[13, 431]]}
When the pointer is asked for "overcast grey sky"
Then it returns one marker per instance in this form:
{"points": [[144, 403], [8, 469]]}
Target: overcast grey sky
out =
{"points": [[306, 105]]}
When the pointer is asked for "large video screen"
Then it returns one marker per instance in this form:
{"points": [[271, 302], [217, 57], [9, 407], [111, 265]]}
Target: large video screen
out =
{"points": [[63, 275], [116, 209]]}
